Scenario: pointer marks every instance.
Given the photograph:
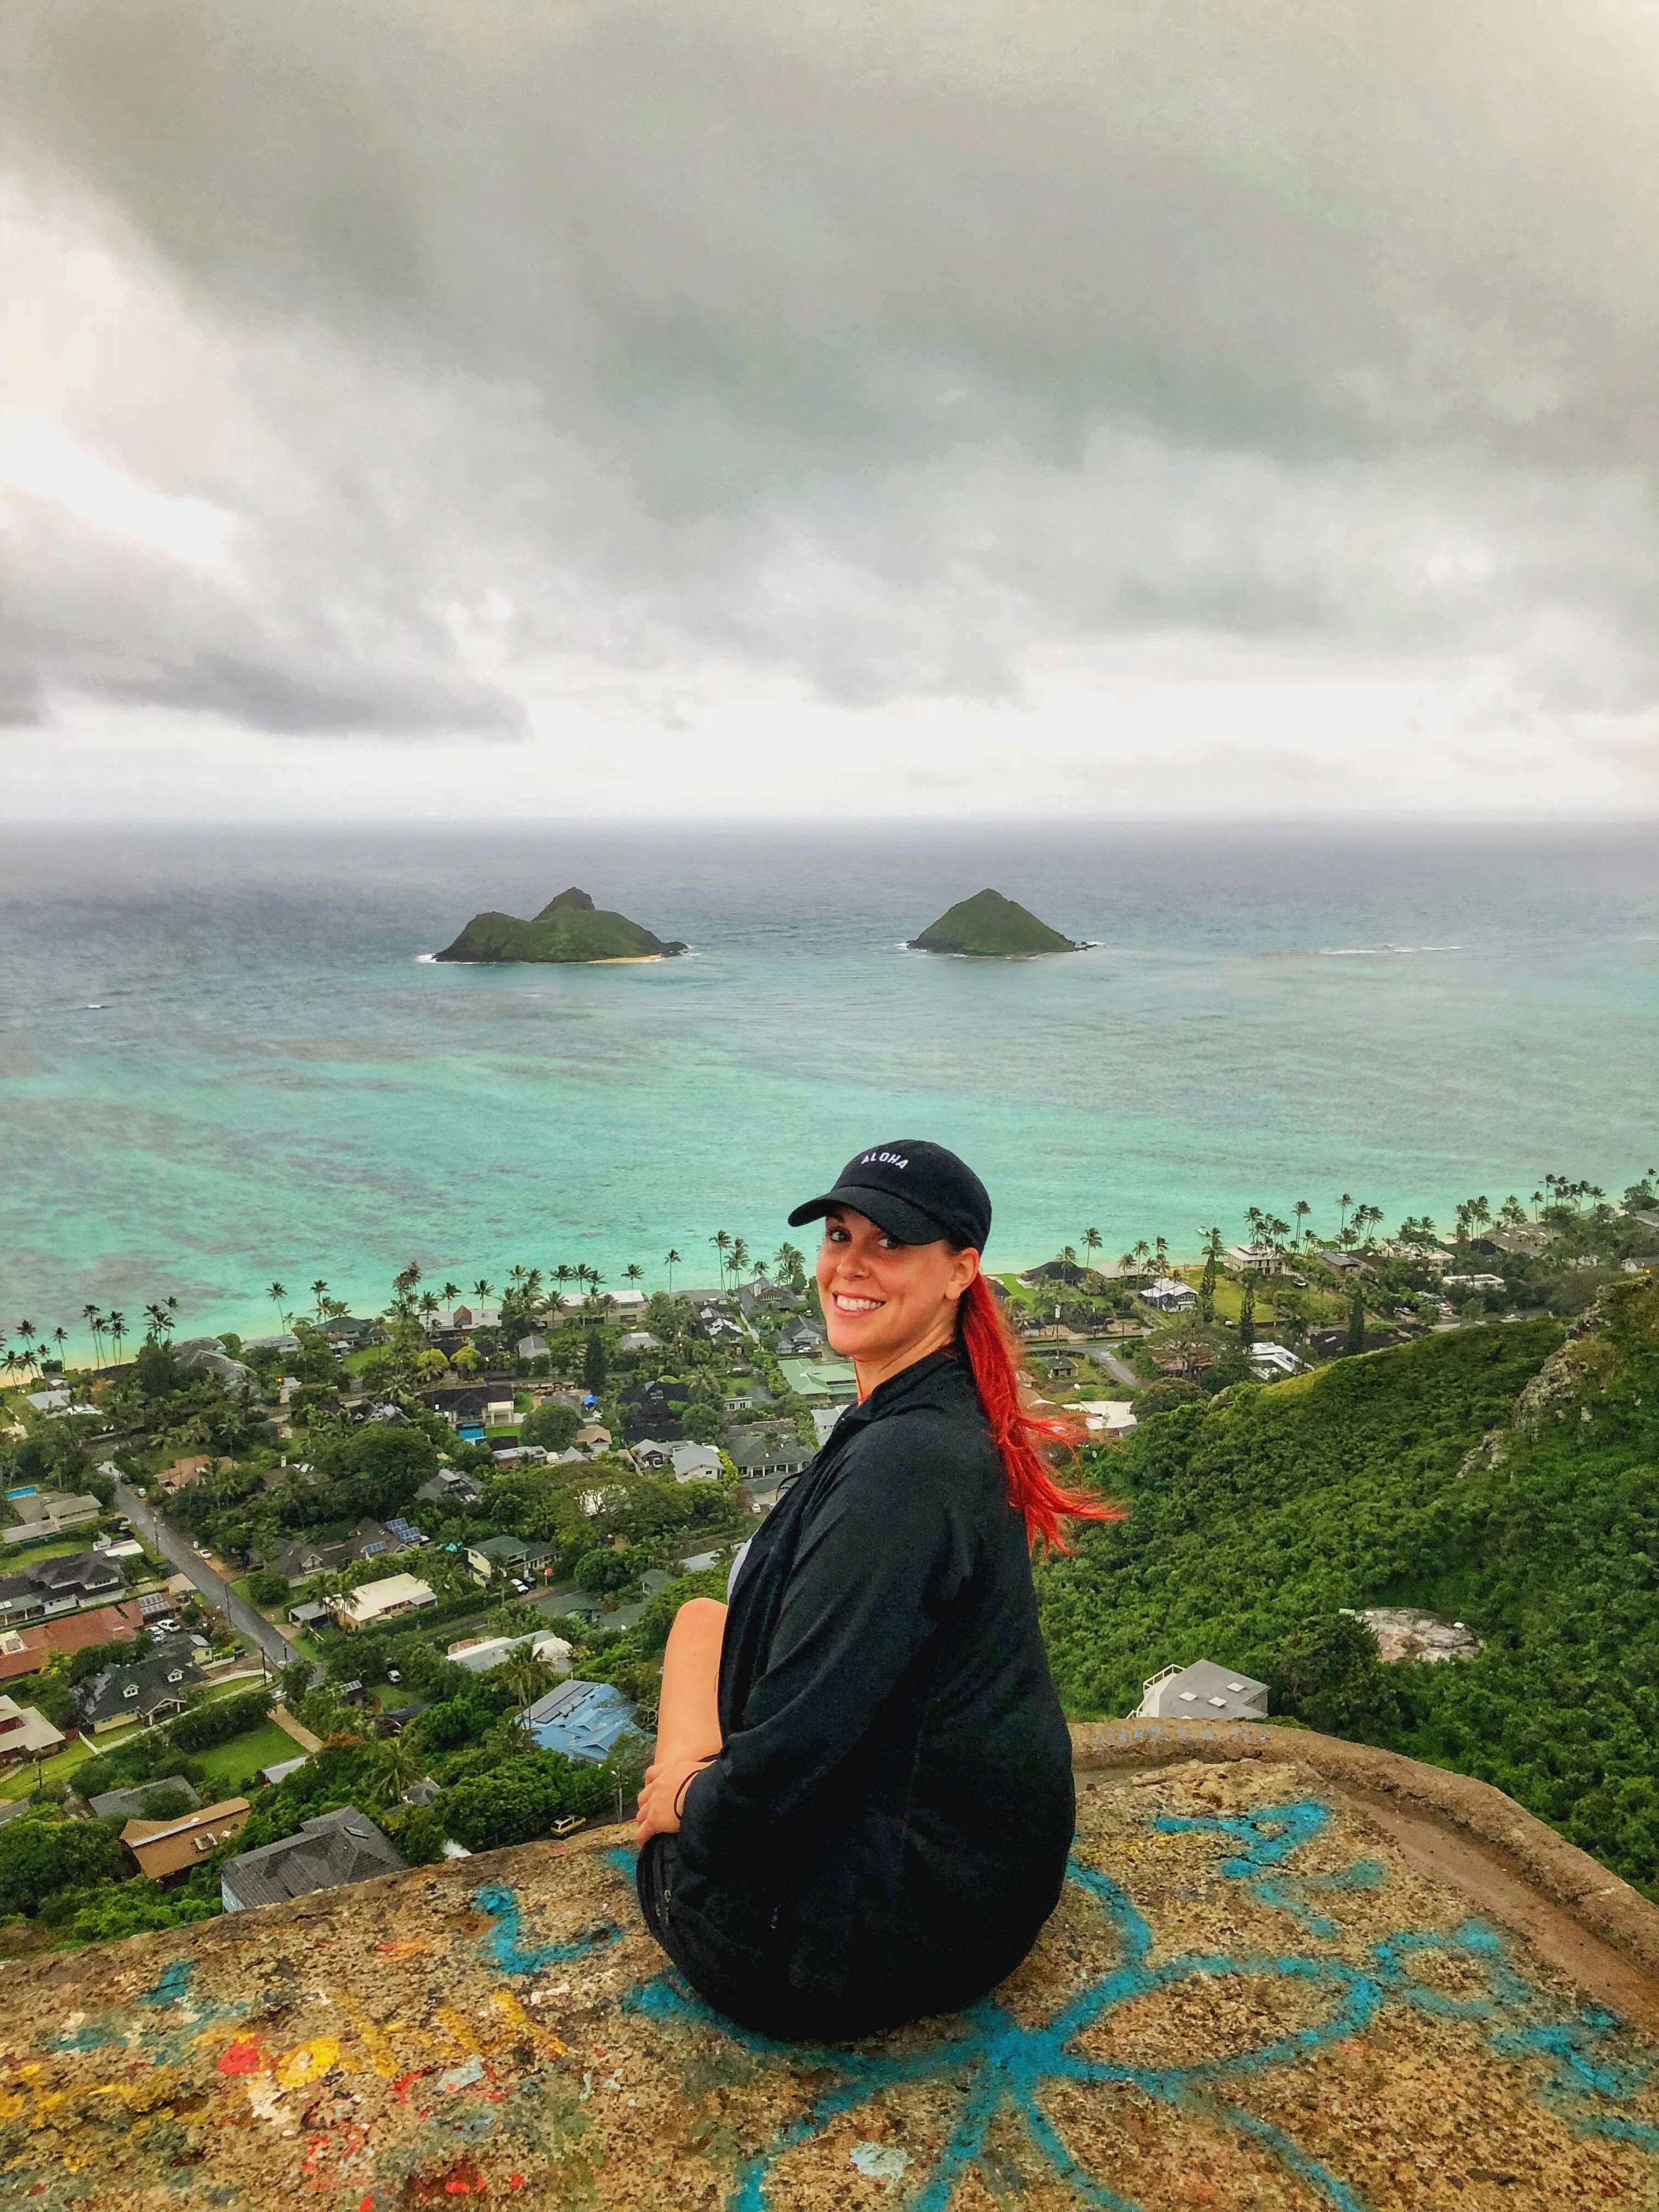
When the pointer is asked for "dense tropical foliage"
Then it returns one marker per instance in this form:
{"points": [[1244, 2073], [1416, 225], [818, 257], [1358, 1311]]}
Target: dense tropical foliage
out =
{"points": [[1508, 1477]]}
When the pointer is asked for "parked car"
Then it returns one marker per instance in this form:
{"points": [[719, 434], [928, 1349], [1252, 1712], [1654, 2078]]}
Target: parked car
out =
{"points": [[166, 1626], [394, 1673], [567, 1824]]}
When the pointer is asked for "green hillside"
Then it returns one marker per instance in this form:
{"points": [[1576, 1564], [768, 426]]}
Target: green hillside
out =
{"points": [[568, 927], [990, 927], [1494, 1475]]}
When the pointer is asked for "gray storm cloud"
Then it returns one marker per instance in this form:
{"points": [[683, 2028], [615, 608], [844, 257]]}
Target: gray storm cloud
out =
{"points": [[882, 349]]}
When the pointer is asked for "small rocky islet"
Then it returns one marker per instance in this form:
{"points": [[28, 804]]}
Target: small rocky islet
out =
{"points": [[569, 927], [989, 927]]}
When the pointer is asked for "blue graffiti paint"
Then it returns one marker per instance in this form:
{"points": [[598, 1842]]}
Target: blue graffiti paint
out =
{"points": [[501, 1946], [1269, 1836], [1000, 2066]]}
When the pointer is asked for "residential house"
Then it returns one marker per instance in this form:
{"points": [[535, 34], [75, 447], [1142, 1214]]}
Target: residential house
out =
{"points": [[279, 1770], [768, 1453], [24, 1732], [747, 1398], [449, 1486], [1273, 1359], [1061, 1274], [1255, 1259], [1342, 1263], [581, 1719], [647, 1410], [169, 1847], [816, 1380], [56, 1400], [44, 1587], [1170, 1295], [1472, 1283], [367, 1540], [190, 1468], [372, 1602], [52, 1512], [482, 1655], [330, 1852], [531, 1346], [801, 1338], [1104, 1417], [640, 1339], [129, 1804], [1201, 1692], [594, 1437], [507, 1555], [26, 1650], [652, 1454], [150, 1689], [824, 1418], [695, 1463], [311, 1614]]}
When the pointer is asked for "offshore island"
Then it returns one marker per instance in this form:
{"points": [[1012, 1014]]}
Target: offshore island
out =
{"points": [[989, 927], [569, 927]]}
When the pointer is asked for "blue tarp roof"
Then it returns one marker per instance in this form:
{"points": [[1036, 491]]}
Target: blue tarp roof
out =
{"points": [[581, 1719]]}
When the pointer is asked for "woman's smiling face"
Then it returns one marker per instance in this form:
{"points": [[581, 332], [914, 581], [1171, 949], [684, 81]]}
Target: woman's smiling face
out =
{"points": [[886, 1304]]}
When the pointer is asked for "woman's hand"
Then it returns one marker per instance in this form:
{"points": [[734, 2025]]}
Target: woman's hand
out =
{"points": [[661, 1797]]}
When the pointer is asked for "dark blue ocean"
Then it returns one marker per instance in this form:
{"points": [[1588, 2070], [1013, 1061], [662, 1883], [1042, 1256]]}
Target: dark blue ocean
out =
{"points": [[224, 1061]]}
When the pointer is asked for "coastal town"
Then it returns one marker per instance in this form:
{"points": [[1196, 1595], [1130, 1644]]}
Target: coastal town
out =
{"points": [[281, 1613]]}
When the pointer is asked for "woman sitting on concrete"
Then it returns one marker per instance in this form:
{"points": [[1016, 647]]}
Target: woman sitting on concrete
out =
{"points": [[861, 1800]]}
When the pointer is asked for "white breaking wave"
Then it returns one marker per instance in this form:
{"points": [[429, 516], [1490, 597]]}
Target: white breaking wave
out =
{"points": [[1379, 952]]}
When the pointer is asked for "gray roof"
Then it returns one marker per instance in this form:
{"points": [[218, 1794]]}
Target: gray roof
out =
{"points": [[106, 1694], [129, 1804], [329, 1852], [80, 1571]]}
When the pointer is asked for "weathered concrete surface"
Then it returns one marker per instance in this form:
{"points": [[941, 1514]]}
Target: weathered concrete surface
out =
{"points": [[1250, 1996]]}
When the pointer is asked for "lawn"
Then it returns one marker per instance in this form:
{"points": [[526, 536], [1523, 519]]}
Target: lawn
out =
{"points": [[20, 1781], [232, 1765]]}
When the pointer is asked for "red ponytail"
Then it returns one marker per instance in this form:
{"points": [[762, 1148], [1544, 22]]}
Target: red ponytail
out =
{"points": [[1018, 1434]]}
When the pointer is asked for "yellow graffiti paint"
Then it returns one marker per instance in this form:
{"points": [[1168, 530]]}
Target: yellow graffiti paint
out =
{"points": [[509, 2006], [306, 2061]]}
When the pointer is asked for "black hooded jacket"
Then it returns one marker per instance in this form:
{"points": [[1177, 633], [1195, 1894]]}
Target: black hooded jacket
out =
{"points": [[885, 1830]]}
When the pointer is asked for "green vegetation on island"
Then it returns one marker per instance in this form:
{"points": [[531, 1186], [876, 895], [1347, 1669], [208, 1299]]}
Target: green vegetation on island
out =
{"points": [[569, 927], [988, 927]]}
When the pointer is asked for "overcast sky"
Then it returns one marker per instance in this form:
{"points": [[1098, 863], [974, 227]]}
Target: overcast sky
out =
{"points": [[492, 408]]}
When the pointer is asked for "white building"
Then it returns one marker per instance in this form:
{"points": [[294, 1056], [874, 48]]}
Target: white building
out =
{"points": [[1170, 1296], [373, 1601], [1270, 1359], [1253, 1259], [1103, 1416], [695, 1463], [1201, 1692], [488, 1652]]}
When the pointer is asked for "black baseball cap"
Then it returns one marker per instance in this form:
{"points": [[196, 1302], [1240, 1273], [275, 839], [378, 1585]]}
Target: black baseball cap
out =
{"points": [[916, 1191]]}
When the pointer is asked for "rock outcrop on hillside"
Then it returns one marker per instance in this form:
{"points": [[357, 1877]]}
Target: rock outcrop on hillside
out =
{"points": [[1256, 1991], [989, 927], [569, 928]]}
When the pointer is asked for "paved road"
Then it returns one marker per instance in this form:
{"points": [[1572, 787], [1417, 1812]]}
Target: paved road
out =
{"points": [[213, 1586], [1119, 1372]]}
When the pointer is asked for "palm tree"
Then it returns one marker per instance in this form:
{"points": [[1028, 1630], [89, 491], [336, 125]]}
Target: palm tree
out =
{"points": [[1301, 1210], [524, 1676], [450, 1292], [671, 1260], [789, 1261], [157, 1319], [95, 1321], [738, 1259], [481, 1289], [1143, 1252], [722, 1242], [1091, 1241], [60, 1337], [117, 1326], [758, 1269], [633, 1274], [10, 1361], [320, 1291], [1069, 1254], [26, 1333], [396, 1768], [277, 1294]]}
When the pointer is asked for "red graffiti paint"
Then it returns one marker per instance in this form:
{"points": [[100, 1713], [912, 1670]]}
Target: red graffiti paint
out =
{"points": [[245, 2058]]}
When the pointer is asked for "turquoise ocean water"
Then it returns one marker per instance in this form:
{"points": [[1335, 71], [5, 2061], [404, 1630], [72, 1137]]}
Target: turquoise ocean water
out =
{"points": [[223, 1059]]}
